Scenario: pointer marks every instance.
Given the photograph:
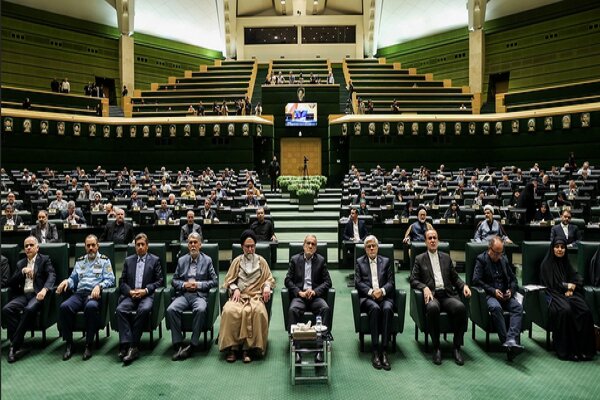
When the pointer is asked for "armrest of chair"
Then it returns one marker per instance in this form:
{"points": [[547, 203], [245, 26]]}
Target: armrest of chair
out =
{"points": [[534, 302], [106, 295], [223, 296], [331, 303], [113, 302], [158, 309], [400, 308], [478, 306], [6, 294], [417, 308], [590, 293], [212, 305], [168, 295], [355, 309], [285, 303]]}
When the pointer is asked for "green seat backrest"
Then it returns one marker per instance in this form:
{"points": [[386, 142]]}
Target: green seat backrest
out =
{"points": [[298, 247], [105, 248], [159, 250], [585, 252], [533, 255], [11, 252], [262, 249], [59, 255], [579, 222], [472, 250]]}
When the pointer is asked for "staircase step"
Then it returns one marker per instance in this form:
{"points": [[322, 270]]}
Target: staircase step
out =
{"points": [[298, 236], [315, 215]]}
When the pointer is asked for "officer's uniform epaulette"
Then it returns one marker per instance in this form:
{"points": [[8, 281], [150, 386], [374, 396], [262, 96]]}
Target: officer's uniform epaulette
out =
{"points": [[81, 258], [102, 256]]}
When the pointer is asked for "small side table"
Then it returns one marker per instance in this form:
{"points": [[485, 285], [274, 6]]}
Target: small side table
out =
{"points": [[309, 370]]}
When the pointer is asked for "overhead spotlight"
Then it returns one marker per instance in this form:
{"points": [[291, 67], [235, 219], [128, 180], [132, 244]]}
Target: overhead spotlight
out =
{"points": [[283, 2]]}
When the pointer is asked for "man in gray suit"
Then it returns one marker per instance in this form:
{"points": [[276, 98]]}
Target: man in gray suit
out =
{"points": [[193, 278], [44, 231], [142, 275]]}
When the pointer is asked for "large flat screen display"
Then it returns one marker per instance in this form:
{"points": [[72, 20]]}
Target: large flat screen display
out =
{"points": [[301, 114]]}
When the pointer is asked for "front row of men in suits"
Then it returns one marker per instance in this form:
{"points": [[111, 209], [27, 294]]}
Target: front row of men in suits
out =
{"points": [[307, 279]]}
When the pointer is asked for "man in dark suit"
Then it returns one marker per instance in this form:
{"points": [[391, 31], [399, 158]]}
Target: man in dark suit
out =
{"points": [[375, 282], [207, 212], [189, 227], [435, 275], [308, 282], [193, 278], [32, 279], [262, 227], [142, 275], [118, 231], [566, 230], [44, 231], [355, 229], [164, 213], [10, 218], [495, 276]]}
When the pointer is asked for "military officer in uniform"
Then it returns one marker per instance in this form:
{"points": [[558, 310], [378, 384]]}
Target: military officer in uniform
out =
{"points": [[92, 273]]}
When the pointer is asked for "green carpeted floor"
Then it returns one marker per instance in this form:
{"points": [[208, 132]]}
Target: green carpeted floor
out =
{"points": [[537, 374]]}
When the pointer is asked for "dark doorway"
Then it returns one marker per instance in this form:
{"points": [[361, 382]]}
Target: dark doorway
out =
{"points": [[108, 89], [498, 83]]}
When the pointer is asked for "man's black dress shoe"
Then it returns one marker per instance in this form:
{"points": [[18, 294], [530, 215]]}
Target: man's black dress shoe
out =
{"points": [[385, 362], [132, 355], [186, 352], [87, 353], [68, 352], [458, 357], [319, 357], [437, 357], [11, 355], [177, 354], [376, 361]]}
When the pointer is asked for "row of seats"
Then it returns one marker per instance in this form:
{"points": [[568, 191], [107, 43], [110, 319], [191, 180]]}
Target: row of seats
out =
{"points": [[546, 97], [224, 82], [413, 93], [46, 101], [535, 305]]}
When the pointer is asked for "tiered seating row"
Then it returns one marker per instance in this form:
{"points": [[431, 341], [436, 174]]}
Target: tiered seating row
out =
{"points": [[228, 82], [40, 100], [415, 93]]}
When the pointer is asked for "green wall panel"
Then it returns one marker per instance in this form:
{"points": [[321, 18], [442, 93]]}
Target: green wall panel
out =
{"points": [[38, 46], [551, 45]]}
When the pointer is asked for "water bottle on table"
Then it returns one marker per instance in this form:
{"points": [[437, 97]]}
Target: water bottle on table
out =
{"points": [[319, 326]]}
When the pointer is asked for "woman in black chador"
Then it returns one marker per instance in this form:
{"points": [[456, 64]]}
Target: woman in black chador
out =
{"points": [[570, 318]]}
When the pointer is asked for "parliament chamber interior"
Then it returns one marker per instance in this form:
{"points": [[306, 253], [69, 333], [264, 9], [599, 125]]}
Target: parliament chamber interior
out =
{"points": [[343, 122]]}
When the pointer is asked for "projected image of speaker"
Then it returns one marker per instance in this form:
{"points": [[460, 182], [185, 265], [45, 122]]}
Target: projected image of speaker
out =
{"points": [[301, 114]]}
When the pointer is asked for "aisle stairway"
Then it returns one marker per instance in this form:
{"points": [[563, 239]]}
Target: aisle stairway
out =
{"points": [[292, 225]]}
